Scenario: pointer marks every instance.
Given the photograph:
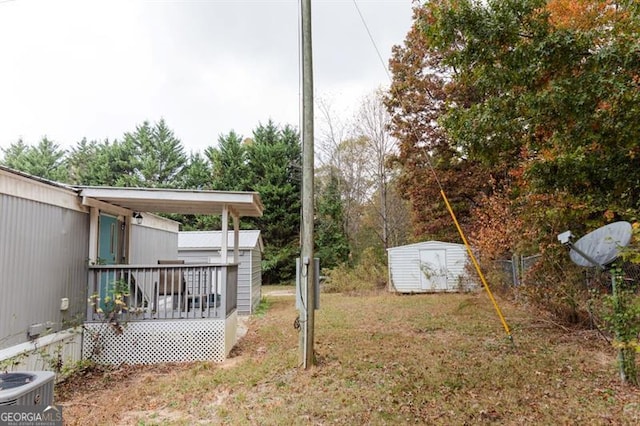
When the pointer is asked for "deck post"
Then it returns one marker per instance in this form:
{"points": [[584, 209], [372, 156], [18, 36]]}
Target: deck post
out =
{"points": [[94, 214], [225, 230], [236, 236]]}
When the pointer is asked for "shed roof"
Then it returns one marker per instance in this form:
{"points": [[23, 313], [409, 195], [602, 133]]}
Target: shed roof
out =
{"points": [[194, 240], [425, 244]]}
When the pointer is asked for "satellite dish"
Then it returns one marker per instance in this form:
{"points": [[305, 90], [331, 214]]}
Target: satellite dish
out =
{"points": [[601, 246]]}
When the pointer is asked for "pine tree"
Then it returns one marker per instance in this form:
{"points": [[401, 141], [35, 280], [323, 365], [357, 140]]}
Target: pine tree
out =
{"points": [[274, 158], [331, 242], [160, 156], [229, 163], [197, 173], [45, 160]]}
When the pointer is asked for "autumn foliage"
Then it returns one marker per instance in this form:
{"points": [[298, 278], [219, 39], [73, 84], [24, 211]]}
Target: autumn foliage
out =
{"points": [[526, 114], [581, 15]]}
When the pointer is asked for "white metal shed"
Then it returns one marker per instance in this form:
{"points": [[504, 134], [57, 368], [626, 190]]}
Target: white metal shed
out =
{"points": [[426, 267], [205, 247]]}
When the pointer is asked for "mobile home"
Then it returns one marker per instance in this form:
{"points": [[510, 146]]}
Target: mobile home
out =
{"points": [[63, 248]]}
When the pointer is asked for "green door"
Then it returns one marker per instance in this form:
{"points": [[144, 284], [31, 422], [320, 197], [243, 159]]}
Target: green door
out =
{"points": [[108, 254], [108, 240]]}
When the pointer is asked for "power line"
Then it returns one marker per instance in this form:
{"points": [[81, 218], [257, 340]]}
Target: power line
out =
{"points": [[375, 46]]}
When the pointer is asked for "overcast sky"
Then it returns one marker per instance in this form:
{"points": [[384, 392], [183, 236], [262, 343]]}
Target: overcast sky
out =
{"points": [[97, 68]]}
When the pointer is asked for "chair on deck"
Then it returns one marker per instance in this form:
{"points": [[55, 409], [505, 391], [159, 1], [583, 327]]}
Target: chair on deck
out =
{"points": [[135, 299], [171, 282]]}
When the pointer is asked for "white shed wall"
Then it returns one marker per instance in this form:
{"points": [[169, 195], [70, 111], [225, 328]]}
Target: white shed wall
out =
{"points": [[406, 272], [256, 278], [249, 273]]}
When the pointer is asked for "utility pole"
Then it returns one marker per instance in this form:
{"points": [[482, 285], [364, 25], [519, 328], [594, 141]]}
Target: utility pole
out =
{"points": [[307, 261]]}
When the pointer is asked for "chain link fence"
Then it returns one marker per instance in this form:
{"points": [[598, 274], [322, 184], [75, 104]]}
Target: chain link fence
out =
{"points": [[516, 270], [569, 293], [627, 276]]}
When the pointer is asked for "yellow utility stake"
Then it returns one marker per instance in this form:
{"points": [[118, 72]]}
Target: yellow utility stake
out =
{"points": [[477, 266]]}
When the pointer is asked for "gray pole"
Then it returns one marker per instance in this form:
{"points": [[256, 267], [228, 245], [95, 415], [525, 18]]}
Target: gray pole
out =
{"points": [[307, 266]]}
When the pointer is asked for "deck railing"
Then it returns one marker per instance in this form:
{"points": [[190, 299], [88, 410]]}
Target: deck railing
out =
{"points": [[161, 292]]}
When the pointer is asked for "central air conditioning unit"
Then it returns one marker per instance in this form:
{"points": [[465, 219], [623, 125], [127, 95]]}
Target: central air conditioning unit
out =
{"points": [[27, 388]]}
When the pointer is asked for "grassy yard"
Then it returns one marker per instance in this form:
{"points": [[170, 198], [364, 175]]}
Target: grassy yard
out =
{"points": [[382, 359]]}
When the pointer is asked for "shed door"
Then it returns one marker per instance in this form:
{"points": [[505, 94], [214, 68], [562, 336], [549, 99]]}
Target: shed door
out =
{"points": [[433, 268]]}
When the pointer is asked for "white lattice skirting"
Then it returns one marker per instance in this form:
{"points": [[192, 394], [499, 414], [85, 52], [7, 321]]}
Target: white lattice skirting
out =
{"points": [[154, 342]]}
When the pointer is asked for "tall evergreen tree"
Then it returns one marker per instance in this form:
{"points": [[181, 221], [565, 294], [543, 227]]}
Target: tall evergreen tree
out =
{"points": [[229, 163], [45, 160], [331, 242], [14, 156], [197, 173], [103, 163], [274, 159], [82, 158], [121, 162], [160, 155]]}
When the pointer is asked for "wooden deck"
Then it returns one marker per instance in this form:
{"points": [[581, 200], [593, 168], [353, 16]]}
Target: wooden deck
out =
{"points": [[147, 314], [161, 292]]}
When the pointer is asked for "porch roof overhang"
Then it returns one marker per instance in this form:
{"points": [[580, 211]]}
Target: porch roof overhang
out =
{"points": [[181, 201]]}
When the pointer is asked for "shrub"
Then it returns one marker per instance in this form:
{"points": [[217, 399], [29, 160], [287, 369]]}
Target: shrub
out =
{"points": [[367, 276], [557, 286]]}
